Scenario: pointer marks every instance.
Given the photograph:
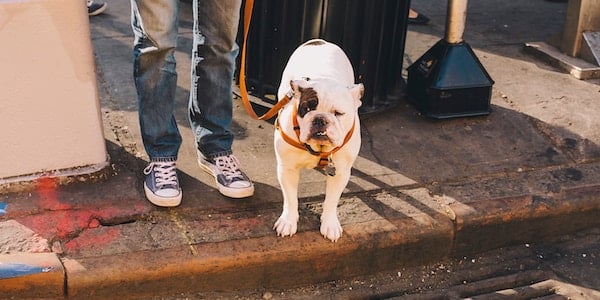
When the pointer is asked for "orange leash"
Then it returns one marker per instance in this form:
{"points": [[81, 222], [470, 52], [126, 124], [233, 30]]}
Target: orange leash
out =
{"points": [[243, 89]]}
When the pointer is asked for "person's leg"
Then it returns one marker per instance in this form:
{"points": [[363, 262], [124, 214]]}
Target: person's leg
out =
{"points": [[414, 17], [210, 107], [155, 28], [213, 63]]}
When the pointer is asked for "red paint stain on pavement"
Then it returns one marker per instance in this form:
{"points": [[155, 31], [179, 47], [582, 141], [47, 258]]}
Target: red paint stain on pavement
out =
{"points": [[56, 219], [94, 223], [58, 224], [79, 226], [47, 190]]}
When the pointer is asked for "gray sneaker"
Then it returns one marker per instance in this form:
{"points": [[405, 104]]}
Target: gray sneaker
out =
{"points": [[161, 184], [230, 179], [95, 9]]}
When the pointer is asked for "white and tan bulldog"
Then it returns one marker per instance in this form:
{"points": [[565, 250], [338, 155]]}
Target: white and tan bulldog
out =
{"points": [[319, 128]]}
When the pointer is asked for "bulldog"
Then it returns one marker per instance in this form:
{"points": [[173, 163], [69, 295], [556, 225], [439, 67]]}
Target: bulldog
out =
{"points": [[319, 128]]}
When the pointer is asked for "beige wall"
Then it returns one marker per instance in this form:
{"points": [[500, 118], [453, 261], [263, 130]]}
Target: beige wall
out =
{"points": [[49, 110]]}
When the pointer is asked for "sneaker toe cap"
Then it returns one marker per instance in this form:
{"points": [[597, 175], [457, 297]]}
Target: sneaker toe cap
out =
{"points": [[240, 184], [167, 193]]}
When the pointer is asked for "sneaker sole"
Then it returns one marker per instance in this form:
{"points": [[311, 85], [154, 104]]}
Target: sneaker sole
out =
{"points": [[162, 201], [225, 191], [98, 11]]}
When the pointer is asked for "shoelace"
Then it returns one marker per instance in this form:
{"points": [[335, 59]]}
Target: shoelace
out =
{"points": [[229, 166], [165, 173]]}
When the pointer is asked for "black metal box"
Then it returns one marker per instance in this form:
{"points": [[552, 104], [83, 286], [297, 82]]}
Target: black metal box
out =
{"points": [[449, 81]]}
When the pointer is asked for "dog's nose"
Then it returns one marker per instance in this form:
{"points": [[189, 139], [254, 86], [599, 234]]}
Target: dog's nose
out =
{"points": [[319, 122]]}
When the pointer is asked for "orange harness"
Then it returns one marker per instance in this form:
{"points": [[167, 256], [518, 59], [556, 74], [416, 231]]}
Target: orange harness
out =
{"points": [[324, 157]]}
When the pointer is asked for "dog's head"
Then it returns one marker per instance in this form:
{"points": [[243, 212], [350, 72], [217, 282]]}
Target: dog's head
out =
{"points": [[326, 111]]}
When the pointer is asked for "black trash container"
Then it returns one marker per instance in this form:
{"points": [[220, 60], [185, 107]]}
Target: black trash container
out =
{"points": [[371, 32]]}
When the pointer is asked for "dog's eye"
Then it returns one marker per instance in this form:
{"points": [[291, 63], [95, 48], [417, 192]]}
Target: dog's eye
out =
{"points": [[307, 106], [303, 111], [338, 113], [312, 103]]}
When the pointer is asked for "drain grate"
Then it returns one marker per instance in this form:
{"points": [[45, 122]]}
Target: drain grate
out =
{"points": [[523, 285]]}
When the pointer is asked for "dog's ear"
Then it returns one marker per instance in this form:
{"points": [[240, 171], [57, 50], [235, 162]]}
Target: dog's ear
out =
{"points": [[357, 92], [295, 86]]}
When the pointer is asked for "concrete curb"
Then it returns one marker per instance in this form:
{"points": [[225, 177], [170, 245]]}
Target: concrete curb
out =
{"points": [[270, 261], [45, 276], [506, 221], [365, 248], [254, 263]]}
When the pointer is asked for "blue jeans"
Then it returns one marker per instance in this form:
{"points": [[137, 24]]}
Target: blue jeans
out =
{"points": [[155, 26]]}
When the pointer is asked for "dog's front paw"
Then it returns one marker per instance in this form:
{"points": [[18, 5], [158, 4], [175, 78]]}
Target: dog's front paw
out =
{"points": [[331, 228], [286, 226]]}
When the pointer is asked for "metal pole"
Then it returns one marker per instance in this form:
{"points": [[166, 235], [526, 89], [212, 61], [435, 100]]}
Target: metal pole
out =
{"points": [[455, 21]]}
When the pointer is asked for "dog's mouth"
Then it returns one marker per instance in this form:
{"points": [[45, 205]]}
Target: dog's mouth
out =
{"points": [[320, 135]]}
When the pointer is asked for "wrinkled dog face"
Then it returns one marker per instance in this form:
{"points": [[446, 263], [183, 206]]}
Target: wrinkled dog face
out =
{"points": [[326, 111]]}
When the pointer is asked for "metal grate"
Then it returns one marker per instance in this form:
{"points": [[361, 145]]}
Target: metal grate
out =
{"points": [[523, 285]]}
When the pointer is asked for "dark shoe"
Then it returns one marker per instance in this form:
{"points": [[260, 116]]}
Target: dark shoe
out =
{"points": [[95, 9], [230, 179], [420, 19], [161, 184]]}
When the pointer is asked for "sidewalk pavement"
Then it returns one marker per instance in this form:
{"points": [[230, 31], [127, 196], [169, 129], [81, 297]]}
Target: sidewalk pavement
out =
{"points": [[422, 190]]}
